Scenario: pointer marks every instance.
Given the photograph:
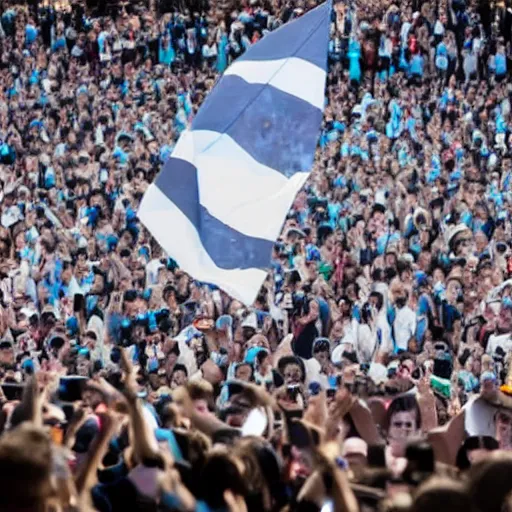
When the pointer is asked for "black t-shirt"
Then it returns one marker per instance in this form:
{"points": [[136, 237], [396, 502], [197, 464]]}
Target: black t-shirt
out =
{"points": [[121, 495], [302, 344]]}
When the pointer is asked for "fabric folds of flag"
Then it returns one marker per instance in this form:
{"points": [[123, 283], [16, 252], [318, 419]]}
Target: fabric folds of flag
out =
{"points": [[220, 201]]}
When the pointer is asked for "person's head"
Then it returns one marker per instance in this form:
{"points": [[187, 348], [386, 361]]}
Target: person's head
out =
{"points": [[442, 495], [474, 450], [355, 452], [462, 243], [244, 372], [26, 466], [91, 398], [322, 351], [179, 376], [200, 348], [201, 394], [453, 289], [503, 420], [291, 369], [263, 360], [67, 272], [376, 300], [489, 482], [221, 472], [403, 422], [504, 323], [400, 300], [262, 472]]}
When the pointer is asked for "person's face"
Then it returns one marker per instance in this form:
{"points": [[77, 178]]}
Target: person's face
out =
{"points": [[337, 331], [453, 290], [424, 261], [243, 372], [83, 366], [154, 381], [405, 369], [463, 245], [126, 239], [91, 398], [90, 341], [179, 378], [351, 292], [98, 284], [197, 347], [322, 358], [67, 274], [503, 428], [7, 356], [374, 302], [162, 379], [390, 260], [292, 374], [480, 241], [505, 320], [402, 427]]}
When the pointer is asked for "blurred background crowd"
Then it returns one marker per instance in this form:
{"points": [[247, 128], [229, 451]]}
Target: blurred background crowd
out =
{"points": [[373, 371]]}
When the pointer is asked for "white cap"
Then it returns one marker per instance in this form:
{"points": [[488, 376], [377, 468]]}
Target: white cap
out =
{"points": [[251, 321]]}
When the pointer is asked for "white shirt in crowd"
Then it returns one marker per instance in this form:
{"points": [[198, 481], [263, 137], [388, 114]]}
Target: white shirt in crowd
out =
{"points": [[314, 372], [499, 340], [404, 327]]}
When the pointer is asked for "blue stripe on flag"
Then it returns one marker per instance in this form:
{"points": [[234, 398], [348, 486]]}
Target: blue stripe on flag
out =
{"points": [[227, 247], [306, 38], [221, 199], [277, 129]]}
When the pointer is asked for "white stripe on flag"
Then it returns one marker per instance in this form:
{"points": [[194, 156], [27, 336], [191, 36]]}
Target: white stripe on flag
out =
{"points": [[244, 194], [179, 238], [294, 76]]}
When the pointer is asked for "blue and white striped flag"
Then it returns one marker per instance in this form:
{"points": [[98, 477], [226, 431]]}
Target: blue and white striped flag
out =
{"points": [[220, 201]]}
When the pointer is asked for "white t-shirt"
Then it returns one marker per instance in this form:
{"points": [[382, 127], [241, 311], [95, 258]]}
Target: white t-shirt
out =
{"points": [[404, 326], [499, 340], [314, 372], [383, 331]]}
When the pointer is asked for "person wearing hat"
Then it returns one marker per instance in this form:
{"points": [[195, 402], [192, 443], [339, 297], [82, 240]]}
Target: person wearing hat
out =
{"points": [[459, 240]]}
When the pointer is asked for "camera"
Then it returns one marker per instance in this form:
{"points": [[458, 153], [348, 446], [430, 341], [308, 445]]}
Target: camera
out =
{"points": [[292, 392]]}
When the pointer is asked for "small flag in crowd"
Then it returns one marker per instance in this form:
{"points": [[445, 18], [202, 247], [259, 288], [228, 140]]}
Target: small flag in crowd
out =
{"points": [[220, 201]]}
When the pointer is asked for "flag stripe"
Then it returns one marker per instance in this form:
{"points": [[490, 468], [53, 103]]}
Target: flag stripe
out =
{"points": [[277, 129], [172, 229], [306, 38], [221, 199], [294, 76], [236, 189], [227, 247]]}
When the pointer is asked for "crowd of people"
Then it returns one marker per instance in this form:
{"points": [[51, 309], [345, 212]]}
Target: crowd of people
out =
{"points": [[374, 370]]}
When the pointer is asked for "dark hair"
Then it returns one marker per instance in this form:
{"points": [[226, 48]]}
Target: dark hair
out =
{"points": [[219, 474], [321, 345], [474, 443], [380, 299], [442, 495], [261, 355], [490, 483], [286, 360], [403, 403], [239, 365], [179, 368]]}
